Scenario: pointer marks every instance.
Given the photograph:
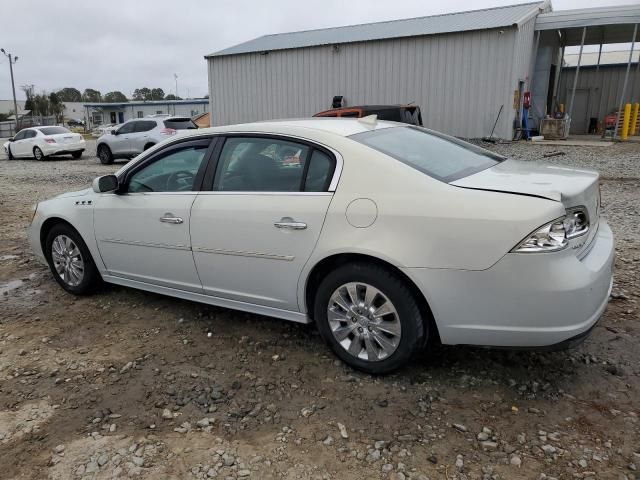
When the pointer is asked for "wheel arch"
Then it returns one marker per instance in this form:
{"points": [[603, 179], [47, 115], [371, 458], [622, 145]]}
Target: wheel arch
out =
{"points": [[48, 224], [331, 262], [148, 145]]}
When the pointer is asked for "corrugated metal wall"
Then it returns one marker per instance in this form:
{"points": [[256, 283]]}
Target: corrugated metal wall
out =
{"points": [[604, 87], [460, 80]]}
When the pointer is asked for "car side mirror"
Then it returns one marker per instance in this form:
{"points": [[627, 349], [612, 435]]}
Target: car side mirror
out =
{"points": [[106, 183], [10, 139], [114, 132]]}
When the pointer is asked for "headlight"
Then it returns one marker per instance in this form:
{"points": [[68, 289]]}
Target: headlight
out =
{"points": [[34, 210], [555, 236]]}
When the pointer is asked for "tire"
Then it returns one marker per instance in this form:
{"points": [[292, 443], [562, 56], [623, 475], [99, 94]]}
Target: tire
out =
{"points": [[403, 332], [76, 155], [105, 155], [11, 157], [64, 246], [37, 154]]}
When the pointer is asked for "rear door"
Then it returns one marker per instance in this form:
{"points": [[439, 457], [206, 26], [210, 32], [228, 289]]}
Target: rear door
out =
{"points": [[254, 231], [141, 135]]}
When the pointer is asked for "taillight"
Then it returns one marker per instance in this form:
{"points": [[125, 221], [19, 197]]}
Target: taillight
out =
{"points": [[168, 131], [49, 140]]}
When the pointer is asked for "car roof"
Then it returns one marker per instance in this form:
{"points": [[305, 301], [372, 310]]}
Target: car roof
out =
{"points": [[344, 127]]}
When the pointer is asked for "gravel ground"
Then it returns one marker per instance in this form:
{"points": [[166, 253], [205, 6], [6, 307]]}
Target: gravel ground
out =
{"points": [[130, 384]]}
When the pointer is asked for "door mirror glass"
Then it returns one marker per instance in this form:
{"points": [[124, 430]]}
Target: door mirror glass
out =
{"points": [[114, 132], [106, 183]]}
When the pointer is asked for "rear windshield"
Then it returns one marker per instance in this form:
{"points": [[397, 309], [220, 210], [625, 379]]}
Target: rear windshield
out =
{"points": [[440, 156], [180, 124], [53, 130]]}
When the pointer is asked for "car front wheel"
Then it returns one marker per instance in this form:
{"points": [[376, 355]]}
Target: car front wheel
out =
{"points": [[105, 155], [11, 157], [369, 317], [70, 261]]}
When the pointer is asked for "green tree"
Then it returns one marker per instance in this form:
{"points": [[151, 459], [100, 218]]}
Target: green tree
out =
{"points": [[56, 107], [157, 94], [28, 91], [69, 94], [115, 96], [91, 95], [41, 104], [171, 96], [142, 94]]}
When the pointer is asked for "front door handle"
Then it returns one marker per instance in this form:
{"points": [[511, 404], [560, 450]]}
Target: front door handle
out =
{"points": [[171, 218], [288, 223]]}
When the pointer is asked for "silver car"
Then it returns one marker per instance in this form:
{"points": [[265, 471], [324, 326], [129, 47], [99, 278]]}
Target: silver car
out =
{"points": [[136, 136]]}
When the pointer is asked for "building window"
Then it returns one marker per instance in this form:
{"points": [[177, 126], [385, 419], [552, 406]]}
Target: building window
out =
{"points": [[140, 113], [97, 119], [194, 113], [159, 112]]}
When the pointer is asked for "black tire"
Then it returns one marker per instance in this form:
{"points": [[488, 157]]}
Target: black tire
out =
{"points": [[414, 328], [11, 157], [105, 155], [91, 278], [76, 155], [148, 146], [37, 154]]}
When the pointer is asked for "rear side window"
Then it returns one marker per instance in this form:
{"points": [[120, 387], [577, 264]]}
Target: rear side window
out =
{"points": [[53, 130], [442, 157], [144, 125], [180, 124], [319, 172]]}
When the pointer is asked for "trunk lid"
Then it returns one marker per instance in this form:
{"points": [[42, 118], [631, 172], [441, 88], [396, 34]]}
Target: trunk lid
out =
{"points": [[572, 187], [65, 137]]}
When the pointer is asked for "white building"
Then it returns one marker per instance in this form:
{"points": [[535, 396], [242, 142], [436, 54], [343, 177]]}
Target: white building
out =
{"points": [[114, 113]]}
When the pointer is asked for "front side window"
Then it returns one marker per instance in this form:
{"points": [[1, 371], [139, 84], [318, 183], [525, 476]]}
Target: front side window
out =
{"points": [[261, 165], [440, 156], [127, 128], [20, 135], [174, 172], [30, 134]]}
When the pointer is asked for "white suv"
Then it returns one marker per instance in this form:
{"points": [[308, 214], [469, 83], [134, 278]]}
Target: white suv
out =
{"points": [[136, 136]]}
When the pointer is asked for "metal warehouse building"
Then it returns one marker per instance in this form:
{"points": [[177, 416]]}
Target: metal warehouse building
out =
{"points": [[461, 68]]}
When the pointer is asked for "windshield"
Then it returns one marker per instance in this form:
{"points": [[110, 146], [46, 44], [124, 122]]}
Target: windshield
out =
{"points": [[180, 124], [53, 130], [440, 156]]}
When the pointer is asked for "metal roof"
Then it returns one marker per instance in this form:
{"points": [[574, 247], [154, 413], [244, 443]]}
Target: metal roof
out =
{"points": [[604, 24], [150, 102], [498, 17]]}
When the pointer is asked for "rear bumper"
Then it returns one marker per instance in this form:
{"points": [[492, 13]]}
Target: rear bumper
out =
{"points": [[63, 148], [524, 300]]}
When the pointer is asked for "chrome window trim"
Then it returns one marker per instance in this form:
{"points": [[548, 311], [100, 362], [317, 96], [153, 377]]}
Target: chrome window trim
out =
{"points": [[333, 185]]}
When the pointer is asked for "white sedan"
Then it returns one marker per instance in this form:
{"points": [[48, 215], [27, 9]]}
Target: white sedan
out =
{"points": [[385, 235], [41, 142]]}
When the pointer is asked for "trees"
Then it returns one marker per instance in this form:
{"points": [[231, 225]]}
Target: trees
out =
{"points": [[171, 96], [115, 96], [146, 94], [56, 107], [69, 94], [91, 95]]}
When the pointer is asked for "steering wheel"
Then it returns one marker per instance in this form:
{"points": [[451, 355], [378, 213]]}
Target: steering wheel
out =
{"points": [[180, 180]]}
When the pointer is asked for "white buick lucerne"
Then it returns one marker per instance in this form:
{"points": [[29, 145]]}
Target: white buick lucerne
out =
{"points": [[385, 235]]}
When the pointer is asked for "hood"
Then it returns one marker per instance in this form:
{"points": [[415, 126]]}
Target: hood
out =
{"points": [[561, 184], [79, 193]]}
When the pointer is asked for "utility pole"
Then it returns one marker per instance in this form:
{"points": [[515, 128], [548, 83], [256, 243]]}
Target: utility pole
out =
{"points": [[12, 60], [175, 76]]}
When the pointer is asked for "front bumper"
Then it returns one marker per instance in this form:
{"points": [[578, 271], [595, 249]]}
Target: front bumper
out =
{"points": [[33, 234], [524, 300]]}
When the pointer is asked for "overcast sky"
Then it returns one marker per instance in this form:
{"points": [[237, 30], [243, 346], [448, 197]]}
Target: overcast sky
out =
{"points": [[124, 44]]}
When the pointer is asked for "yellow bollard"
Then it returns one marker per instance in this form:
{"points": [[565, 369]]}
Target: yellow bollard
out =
{"points": [[625, 122], [634, 119]]}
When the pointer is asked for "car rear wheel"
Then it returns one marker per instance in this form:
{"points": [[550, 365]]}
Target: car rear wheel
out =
{"points": [[105, 155], [37, 153], [70, 261], [76, 155], [369, 317]]}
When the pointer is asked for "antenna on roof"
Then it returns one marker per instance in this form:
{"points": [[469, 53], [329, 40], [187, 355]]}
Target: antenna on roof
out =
{"points": [[370, 120]]}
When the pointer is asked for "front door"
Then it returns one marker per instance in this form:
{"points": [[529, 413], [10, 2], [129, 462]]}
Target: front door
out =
{"points": [[120, 143], [19, 145], [254, 231], [143, 231]]}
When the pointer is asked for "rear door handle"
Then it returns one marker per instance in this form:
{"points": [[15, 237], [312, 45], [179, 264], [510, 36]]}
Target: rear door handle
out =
{"points": [[171, 218], [288, 223]]}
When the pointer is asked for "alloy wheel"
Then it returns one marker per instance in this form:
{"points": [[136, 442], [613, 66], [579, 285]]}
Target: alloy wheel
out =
{"points": [[67, 260], [364, 321], [37, 153]]}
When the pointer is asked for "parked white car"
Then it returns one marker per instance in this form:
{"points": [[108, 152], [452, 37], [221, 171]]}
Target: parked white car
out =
{"points": [[41, 142], [383, 234]]}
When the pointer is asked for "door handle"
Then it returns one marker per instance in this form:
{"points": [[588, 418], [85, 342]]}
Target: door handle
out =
{"points": [[288, 223], [170, 218]]}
